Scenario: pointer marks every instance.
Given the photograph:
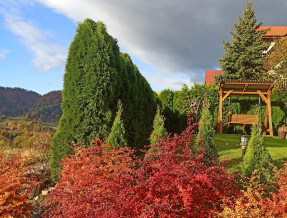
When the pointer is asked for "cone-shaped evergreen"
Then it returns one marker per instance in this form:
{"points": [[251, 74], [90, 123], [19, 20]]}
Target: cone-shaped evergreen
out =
{"points": [[139, 104], [117, 135], [244, 56], [96, 76], [206, 133], [158, 128], [257, 158]]}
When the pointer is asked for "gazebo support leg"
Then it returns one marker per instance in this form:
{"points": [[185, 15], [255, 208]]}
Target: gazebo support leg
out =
{"points": [[270, 114]]}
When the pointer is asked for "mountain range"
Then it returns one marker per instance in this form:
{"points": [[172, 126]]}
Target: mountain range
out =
{"points": [[33, 106]]}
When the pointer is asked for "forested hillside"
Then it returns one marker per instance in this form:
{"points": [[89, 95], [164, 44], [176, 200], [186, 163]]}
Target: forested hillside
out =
{"points": [[47, 108], [15, 101]]}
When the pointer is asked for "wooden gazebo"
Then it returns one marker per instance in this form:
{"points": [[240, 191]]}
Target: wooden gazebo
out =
{"points": [[250, 88]]}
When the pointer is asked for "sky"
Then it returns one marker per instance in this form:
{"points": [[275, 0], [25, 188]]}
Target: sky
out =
{"points": [[172, 42]]}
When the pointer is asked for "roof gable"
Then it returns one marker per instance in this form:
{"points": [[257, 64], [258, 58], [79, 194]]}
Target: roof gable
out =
{"points": [[210, 74], [274, 31]]}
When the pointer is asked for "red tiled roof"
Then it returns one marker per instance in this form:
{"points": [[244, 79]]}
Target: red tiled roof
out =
{"points": [[210, 74], [274, 31]]}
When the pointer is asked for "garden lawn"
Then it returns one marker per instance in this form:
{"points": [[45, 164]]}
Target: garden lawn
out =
{"points": [[229, 148]]}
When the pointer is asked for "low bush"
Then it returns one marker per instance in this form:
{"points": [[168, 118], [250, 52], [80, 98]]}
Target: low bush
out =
{"points": [[102, 181], [16, 183]]}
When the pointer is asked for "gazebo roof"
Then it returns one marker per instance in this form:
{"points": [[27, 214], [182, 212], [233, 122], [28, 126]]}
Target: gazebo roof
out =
{"points": [[246, 87]]}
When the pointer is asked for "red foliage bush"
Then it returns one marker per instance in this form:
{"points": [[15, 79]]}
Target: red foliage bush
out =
{"points": [[101, 181], [278, 202], [15, 186]]}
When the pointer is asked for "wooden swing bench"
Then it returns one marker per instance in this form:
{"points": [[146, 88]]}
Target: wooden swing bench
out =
{"points": [[241, 119]]}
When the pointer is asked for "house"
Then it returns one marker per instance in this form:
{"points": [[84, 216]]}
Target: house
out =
{"points": [[273, 33], [210, 74]]}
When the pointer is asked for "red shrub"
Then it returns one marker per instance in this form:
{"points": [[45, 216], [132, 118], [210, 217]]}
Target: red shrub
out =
{"points": [[101, 181], [278, 203], [15, 186]]}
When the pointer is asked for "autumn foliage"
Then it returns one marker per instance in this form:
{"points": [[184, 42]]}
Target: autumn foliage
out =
{"points": [[254, 203], [101, 181], [15, 186]]}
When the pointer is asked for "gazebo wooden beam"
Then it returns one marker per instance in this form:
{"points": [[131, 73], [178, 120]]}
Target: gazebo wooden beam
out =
{"points": [[262, 96], [226, 95], [245, 93]]}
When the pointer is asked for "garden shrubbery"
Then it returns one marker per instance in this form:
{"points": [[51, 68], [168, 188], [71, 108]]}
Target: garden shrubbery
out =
{"points": [[16, 183], [106, 182]]}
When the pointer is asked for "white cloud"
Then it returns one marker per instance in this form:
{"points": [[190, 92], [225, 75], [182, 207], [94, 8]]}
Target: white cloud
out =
{"points": [[173, 36], [47, 55], [3, 54], [160, 81]]}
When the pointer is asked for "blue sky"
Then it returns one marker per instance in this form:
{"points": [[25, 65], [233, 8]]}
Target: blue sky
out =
{"points": [[171, 43]]}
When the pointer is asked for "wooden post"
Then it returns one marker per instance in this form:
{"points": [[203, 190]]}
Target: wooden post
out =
{"points": [[269, 113], [266, 111], [219, 123], [265, 121]]}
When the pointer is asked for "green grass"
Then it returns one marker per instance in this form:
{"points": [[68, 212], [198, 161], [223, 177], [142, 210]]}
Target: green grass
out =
{"points": [[229, 148]]}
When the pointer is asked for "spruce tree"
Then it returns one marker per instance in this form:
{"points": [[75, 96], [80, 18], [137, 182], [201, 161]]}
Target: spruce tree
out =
{"points": [[244, 55], [159, 130], [257, 159], [117, 135], [206, 133]]}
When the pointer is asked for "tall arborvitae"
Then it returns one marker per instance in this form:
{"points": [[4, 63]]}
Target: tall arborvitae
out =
{"points": [[244, 55], [88, 97], [97, 75], [257, 159], [206, 133], [139, 104], [117, 135], [159, 130]]}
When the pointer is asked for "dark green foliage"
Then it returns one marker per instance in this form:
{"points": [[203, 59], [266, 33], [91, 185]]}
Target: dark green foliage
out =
{"points": [[176, 106], [88, 94], [97, 75], [159, 130], [244, 55], [181, 101], [277, 115], [257, 159], [174, 122], [206, 132], [139, 104], [117, 135]]}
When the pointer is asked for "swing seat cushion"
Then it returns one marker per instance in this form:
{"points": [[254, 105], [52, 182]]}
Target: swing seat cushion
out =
{"points": [[241, 119]]}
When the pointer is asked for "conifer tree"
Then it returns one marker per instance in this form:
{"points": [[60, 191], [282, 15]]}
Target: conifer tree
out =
{"points": [[257, 159], [96, 76], [244, 55], [158, 128], [139, 104], [117, 135], [88, 97], [206, 133]]}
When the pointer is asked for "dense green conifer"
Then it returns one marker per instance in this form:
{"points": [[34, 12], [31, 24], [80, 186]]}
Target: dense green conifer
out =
{"points": [[117, 135], [96, 76], [158, 128], [139, 104], [244, 55], [206, 132], [257, 159]]}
